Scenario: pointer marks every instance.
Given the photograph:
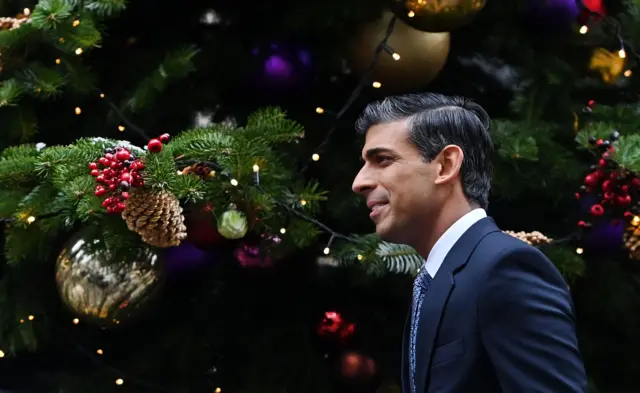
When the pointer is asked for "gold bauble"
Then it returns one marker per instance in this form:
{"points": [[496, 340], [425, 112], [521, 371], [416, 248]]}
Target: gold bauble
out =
{"points": [[422, 55], [105, 288], [436, 16]]}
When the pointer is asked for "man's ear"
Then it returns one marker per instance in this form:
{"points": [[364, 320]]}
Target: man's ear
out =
{"points": [[450, 162]]}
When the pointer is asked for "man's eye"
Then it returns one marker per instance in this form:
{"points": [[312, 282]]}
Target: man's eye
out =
{"points": [[383, 159]]}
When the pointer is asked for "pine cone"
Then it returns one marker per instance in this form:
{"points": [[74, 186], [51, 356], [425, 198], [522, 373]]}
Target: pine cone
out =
{"points": [[534, 238], [156, 216], [632, 242]]}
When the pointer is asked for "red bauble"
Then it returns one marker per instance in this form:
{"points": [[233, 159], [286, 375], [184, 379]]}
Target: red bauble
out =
{"points": [[154, 146], [354, 365], [93, 166], [164, 138], [202, 230], [597, 210]]}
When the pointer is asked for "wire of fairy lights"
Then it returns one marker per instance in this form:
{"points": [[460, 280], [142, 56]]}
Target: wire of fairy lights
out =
{"points": [[609, 25], [365, 80]]}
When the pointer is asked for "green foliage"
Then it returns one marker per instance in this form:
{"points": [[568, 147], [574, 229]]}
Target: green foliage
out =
{"points": [[568, 262], [61, 29], [177, 64], [49, 192]]}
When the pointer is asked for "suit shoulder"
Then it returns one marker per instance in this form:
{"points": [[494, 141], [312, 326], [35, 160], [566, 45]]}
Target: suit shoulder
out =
{"points": [[506, 251], [499, 243]]}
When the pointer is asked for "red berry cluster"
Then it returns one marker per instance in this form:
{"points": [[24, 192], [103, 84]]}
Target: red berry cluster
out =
{"points": [[155, 144], [612, 185], [116, 172]]}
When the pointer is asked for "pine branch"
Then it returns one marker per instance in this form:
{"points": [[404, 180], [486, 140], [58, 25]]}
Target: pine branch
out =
{"points": [[10, 90], [177, 64]]}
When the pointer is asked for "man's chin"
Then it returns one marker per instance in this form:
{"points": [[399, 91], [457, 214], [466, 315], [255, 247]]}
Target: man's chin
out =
{"points": [[388, 235]]}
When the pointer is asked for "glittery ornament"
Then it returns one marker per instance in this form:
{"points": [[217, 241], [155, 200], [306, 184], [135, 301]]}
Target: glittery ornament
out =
{"points": [[101, 287], [233, 224]]}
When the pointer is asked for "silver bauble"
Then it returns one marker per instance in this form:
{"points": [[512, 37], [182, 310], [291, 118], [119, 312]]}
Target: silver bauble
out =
{"points": [[103, 288]]}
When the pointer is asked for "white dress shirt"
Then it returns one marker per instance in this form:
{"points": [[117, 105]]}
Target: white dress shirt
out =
{"points": [[449, 238]]}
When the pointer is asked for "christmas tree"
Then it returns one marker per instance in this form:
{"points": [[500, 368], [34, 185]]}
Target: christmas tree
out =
{"points": [[176, 193]]}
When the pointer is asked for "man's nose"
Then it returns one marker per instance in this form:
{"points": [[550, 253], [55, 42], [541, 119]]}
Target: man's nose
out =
{"points": [[363, 182]]}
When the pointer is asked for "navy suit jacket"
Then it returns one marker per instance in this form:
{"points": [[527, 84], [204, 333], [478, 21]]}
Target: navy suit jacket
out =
{"points": [[498, 318]]}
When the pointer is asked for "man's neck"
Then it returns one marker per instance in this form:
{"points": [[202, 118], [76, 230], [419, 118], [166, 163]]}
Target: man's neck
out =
{"points": [[447, 217]]}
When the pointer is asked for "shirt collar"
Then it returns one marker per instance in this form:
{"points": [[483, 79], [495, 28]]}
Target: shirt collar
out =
{"points": [[449, 238]]}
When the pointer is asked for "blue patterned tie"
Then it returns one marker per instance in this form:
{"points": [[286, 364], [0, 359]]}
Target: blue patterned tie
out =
{"points": [[420, 288]]}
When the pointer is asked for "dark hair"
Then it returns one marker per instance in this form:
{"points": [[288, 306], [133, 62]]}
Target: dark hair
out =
{"points": [[436, 121]]}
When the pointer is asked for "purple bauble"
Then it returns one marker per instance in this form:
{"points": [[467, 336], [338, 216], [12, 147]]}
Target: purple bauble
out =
{"points": [[550, 16], [604, 236], [283, 66], [187, 258]]}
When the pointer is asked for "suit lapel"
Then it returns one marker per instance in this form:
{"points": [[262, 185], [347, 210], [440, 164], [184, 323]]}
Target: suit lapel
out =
{"points": [[406, 383], [439, 292]]}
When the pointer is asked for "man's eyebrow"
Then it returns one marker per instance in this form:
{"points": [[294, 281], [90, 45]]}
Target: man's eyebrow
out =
{"points": [[376, 151]]}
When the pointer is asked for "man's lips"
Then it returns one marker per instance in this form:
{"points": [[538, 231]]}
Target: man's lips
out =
{"points": [[377, 208]]}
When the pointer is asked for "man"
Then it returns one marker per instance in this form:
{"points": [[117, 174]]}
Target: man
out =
{"points": [[490, 314]]}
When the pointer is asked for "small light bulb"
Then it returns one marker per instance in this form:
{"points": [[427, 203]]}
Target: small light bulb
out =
{"points": [[119, 381], [635, 221], [22, 321], [212, 174], [326, 251], [26, 12], [99, 352], [31, 317], [1, 353], [319, 110], [377, 85], [218, 390], [256, 168], [31, 219], [315, 157], [101, 95], [76, 321], [303, 202], [579, 250], [179, 172], [283, 231], [584, 29], [79, 51], [622, 53], [121, 128], [411, 14], [234, 182], [395, 56], [76, 23], [58, 61], [360, 257], [627, 73], [78, 110]]}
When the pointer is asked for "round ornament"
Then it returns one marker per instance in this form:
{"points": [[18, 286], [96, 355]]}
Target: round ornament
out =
{"points": [[233, 224], [436, 16], [103, 287], [201, 226], [422, 55]]}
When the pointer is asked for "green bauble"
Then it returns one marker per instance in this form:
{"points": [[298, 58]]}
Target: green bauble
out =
{"points": [[103, 287], [233, 224]]}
